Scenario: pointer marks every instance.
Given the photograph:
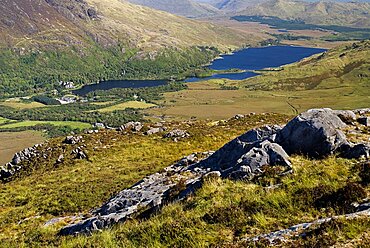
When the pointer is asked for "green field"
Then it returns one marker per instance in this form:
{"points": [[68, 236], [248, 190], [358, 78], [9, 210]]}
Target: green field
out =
{"points": [[126, 105], [72, 124], [16, 104]]}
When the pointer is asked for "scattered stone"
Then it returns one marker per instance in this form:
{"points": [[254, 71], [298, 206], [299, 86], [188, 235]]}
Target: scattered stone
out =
{"points": [[362, 111], [155, 130], [131, 126], [238, 116], [60, 158], [179, 180], [356, 151], [79, 153], [72, 140], [177, 134], [14, 166], [363, 120], [99, 125], [298, 230]]}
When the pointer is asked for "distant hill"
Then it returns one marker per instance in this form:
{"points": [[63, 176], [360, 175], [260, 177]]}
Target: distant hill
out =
{"points": [[232, 5], [326, 13], [187, 8]]}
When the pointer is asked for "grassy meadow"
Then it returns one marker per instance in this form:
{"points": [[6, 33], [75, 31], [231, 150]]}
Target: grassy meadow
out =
{"points": [[17, 104], [126, 105], [72, 124]]}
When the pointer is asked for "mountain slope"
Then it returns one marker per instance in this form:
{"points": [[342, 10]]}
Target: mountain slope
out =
{"points": [[46, 41], [188, 8], [322, 12], [105, 22], [236, 5]]}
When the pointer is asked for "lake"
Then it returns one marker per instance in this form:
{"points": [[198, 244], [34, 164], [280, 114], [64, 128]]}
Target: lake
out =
{"points": [[257, 59], [112, 84], [247, 59]]}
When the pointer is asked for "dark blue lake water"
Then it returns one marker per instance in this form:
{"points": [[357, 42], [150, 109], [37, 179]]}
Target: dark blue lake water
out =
{"points": [[257, 59], [112, 84], [246, 59]]}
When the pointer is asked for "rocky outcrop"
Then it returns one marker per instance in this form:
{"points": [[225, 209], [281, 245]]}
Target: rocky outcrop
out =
{"points": [[316, 133], [182, 178], [299, 230], [145, 196], [14, 166], [30, 157]]}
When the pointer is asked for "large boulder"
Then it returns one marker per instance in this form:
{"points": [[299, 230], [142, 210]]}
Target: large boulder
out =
{"points": [[261, 154], [228, 156], [315, 133]]}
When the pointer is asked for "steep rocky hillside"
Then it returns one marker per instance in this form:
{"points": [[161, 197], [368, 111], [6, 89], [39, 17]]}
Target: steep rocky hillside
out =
{"points": [[325, 13], [188, 8], [258, 188]]}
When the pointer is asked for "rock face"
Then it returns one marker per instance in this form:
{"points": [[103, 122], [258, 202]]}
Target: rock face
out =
{"points": [[14, 166], [23, 159], [147, 195], [315, 133], [185, 176]]}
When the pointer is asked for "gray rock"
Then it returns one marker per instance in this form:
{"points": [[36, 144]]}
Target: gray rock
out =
{"points": [[362, 111], [144, 197], [299, 230], [60, 158], [131, 126], [155, 130], [230, 153], [72, 140], [363, 120], [177, 134], [262, 154], [238, 116], [99, 125], [315, 133], [347, 116], [356, 151]]}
